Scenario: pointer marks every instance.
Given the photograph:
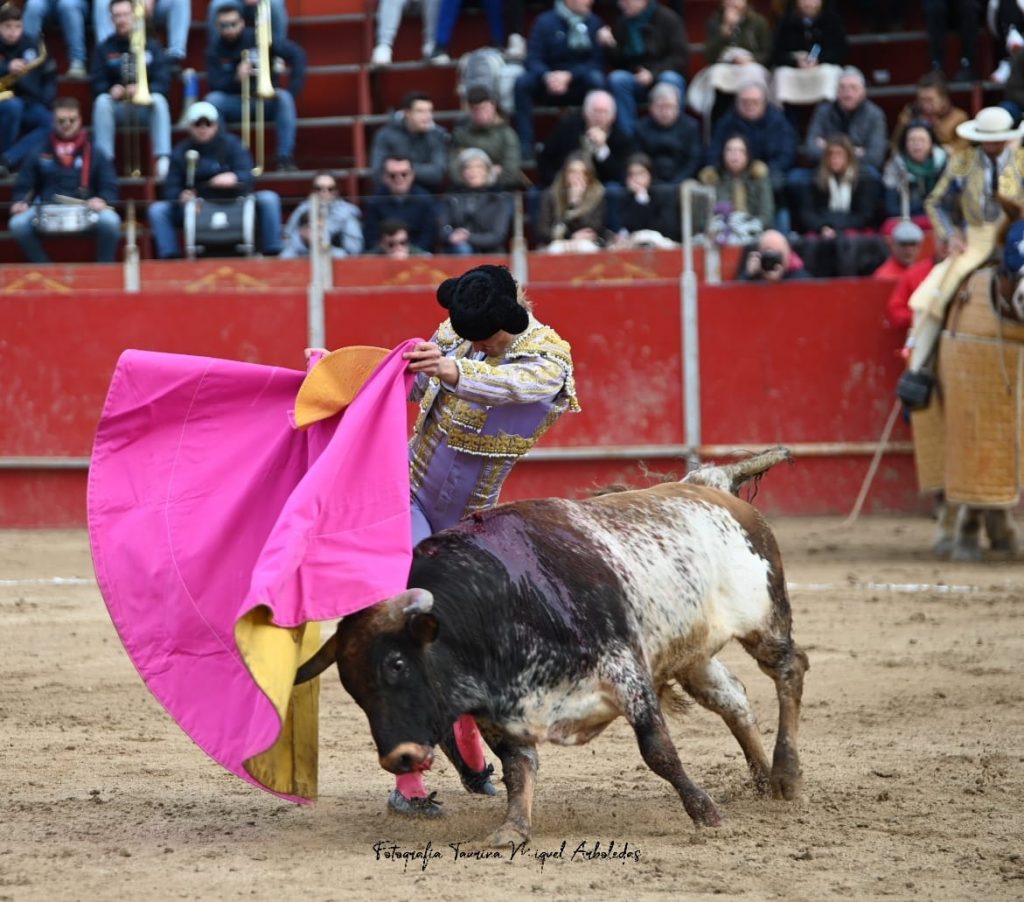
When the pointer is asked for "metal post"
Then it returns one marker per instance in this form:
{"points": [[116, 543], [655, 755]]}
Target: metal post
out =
{"points": [[132, 277], [315, 319], [520, 258]]}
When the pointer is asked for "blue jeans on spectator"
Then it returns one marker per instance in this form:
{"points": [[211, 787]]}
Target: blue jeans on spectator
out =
{"points": [[17, 115], [167, 216], [462, 248], [108, 113], [174, 15], [628, 93], [449, 13], [531, 89], [72, 15], [107, 231], [281, 109], [278, 19]]}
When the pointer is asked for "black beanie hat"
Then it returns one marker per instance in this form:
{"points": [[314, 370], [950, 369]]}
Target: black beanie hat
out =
{"points": [[483, 301]]}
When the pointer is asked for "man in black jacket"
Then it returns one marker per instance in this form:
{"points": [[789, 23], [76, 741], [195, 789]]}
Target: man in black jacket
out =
{"points": [[29, 109], [226, 68], [649, 47], [66, 165], [399, 197], [114, 81], [223, 170], [669, 137]]}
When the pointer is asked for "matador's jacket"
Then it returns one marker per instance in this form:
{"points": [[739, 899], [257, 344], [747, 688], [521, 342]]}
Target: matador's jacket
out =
{"points": [[468, 437]]}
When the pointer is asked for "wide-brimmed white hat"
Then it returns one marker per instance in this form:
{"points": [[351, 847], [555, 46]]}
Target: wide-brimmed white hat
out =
{"points": [[992, 123]]}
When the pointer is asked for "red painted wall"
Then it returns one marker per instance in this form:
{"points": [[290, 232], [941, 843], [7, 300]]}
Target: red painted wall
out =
{"points": [[806, 362]]}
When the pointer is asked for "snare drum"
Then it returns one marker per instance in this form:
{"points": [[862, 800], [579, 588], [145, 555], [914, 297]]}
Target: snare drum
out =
{"points": [[220, 226], [64, 219]]}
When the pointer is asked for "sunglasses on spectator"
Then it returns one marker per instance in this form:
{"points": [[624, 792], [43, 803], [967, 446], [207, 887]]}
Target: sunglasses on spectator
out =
{"points": [[229, 24], [396, 242], [67, 120], [401, 174], [323, 187], [202, 123]]}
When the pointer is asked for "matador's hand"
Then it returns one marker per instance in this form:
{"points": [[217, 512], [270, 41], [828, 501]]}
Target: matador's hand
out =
{"points": [[427, 358]]}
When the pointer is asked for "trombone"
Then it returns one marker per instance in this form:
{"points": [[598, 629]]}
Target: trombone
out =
{"points": [[264, 88], [134, 72]]}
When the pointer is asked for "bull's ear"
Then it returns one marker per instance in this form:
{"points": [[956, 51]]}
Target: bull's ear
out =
{"points": [[423, 628]]}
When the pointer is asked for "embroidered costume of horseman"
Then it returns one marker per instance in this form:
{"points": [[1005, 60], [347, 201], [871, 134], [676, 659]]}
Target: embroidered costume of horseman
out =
{"points": [[469, 436], [970, 189]]}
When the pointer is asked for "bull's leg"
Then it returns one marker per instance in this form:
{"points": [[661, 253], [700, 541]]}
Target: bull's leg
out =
{"points": [[1002, 531], [967, 544], [714, 686], [519, 766], [784, 661], [945, 528], [640, 704]]}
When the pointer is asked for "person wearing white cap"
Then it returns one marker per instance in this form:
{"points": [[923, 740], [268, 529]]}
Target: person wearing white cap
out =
{"points": [[966, 212], [223, 169]]}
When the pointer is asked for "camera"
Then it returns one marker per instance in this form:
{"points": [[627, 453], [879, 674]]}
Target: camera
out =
{"points": [[770, 261]]}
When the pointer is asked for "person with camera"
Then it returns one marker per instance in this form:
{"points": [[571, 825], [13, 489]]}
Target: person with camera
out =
{"points": [[66, 169], [773, 260], [223, 170]]}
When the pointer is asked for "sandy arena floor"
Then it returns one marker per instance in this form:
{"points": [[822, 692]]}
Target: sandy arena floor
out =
{"points": [[912, 747]]}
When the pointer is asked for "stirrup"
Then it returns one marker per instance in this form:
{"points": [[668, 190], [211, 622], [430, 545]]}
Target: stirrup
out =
{"points": [[479, 781], [416, 807]]}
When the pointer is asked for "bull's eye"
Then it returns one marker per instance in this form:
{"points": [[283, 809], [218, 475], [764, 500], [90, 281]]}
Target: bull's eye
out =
{"points": [[394, 668]]}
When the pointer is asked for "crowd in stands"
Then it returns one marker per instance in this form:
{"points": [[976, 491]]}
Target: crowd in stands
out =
{"points": [[822, 174]]}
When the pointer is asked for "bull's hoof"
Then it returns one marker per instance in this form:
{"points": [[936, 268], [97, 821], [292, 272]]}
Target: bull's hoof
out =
{"points": [[505, 834], [786, 786], [965, 553], [418, 807], [479, 782], [702, 810]]}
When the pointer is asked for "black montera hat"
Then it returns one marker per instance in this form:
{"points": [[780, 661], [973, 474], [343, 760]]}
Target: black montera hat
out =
{"points": [[483, 301]]}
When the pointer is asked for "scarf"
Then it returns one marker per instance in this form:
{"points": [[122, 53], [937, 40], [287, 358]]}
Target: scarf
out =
{"points": [[577, 35], [840, 193], [636, 47], [67, 151], [925, 175]]}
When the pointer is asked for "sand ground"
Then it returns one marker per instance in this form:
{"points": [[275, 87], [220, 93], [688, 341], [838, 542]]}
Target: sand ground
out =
{"points": [[912, 744]]}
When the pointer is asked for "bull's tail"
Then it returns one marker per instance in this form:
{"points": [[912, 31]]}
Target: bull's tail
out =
{"points": [[729, 477], [316, 665]]}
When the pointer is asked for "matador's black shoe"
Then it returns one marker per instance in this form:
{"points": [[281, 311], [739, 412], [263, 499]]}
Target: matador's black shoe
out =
{"points": [[418, 807], [479, 781]]}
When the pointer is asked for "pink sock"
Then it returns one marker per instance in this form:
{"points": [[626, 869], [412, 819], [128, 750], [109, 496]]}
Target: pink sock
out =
{"points": [[469, 742], [411, 786]]}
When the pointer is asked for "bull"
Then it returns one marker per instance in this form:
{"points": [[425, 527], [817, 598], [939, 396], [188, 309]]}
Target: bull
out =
{"points": [[546, 620]]}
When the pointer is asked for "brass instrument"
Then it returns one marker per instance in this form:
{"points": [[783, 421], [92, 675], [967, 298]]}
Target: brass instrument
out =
{"points": [[134, 71], [191, 159], [264, 83], [8, 81]]}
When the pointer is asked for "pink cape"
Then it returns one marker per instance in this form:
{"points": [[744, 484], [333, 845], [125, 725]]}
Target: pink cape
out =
{"points": [[205, 503]]}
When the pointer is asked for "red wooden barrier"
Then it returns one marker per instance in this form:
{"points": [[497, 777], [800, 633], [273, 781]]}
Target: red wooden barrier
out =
{"points": [[804, 363]]}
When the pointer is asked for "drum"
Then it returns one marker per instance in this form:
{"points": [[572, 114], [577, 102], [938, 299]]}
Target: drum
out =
{"points": [[64, 219], [220, 226]]}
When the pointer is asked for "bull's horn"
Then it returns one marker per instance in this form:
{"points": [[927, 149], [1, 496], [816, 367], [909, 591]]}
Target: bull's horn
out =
{"points": [[420, 601], [729, 477], [316, 665]]}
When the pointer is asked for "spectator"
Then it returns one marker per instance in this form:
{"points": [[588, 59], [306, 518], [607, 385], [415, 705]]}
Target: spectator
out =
{"points": [[476, 219], [932, 104], [649, 214], [809, 35], [225, 69], [565, 60], [394, 241], [413, 135], [669, 137], [738, 34], [650, 48], [915, 169], [278, 17], [223, 171], [773, 260], [840, 197], [744, 200], [115, 82], [853, 115], [28, 110], [485, 129], [399, 197], [594, 131], [769, 134], [389, 17], [173, 15], [939, 15], [341, 222], [65, 164], [71, 14], [1006, 19], [898, 314], [572, 210], [448, 14], [904, 242]]}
